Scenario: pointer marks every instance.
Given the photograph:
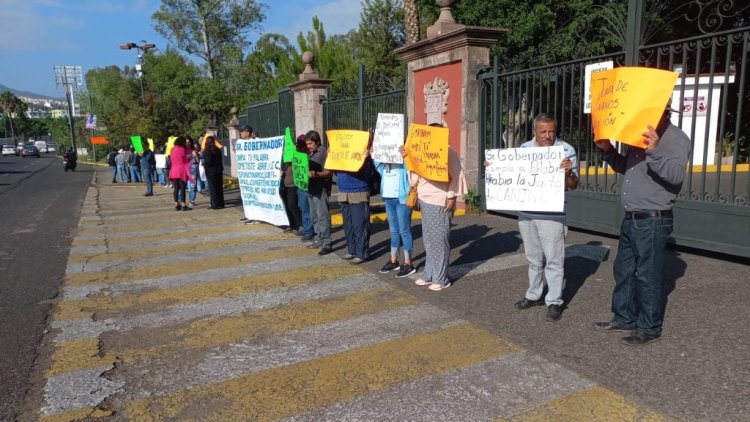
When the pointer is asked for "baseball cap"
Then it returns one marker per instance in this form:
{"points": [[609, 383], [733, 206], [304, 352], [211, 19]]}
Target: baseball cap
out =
{"points": [[246, 128]]}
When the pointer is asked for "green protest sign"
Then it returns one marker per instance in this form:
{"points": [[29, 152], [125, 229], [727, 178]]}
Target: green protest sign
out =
{"points": [[300, 170], [137, 143], [289, 146]]}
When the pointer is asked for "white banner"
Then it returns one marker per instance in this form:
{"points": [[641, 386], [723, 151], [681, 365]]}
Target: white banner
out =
{"points": [[389, 135], [161, 161], [525, 179], [590, 69], [259, 174]]}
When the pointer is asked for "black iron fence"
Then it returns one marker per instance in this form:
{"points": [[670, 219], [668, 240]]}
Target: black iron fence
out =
{"points": [[271, 117]]}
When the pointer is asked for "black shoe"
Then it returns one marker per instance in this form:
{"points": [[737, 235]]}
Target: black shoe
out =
{"points": [[526, 303], [186, 208], [389, 266], [178, 207], [148, 194], [406, 270], [325, 251], [554, 312], [611, 326], [638, 338]]}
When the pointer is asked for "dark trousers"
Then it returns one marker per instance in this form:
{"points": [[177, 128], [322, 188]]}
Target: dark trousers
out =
{"points": [[179, 186], [291, 202], [357, 228], [148, 178], [638, 297], [215, 187]]}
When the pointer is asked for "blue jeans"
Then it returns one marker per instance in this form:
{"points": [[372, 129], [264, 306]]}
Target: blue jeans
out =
{"points": [[399, 223], [321, 218], [544, 246], [134, 176], [357, 228], [147, 177], [123, 173], [162, 176], [304, 208], [114, 173], [638, 297]]}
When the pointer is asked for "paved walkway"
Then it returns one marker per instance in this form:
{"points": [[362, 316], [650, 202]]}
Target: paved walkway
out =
{"points": [[169, 315]]}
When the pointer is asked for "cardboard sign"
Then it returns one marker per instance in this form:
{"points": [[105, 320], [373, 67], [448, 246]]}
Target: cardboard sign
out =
{"points": [[151, 145], [347, 149], [625, 100], [161, 161], [389, 136], [427, 152], [301, 170], [289, 146], [100, 140], [525, 179], [137, 143], [258, 173], [170, 144]]}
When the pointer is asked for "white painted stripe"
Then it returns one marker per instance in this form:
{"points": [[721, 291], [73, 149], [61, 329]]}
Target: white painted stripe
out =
{"points": [[244, 358], [501, 387], [78, 389], [84, 327]]}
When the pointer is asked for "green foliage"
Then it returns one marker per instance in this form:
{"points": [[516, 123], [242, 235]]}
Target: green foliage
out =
{"points": [[332, 57], [473, 199], [273, 64], [381, 31], [12, 106]]}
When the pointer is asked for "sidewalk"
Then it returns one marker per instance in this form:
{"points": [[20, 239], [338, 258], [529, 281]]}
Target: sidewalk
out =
{"points": [[194, 315]]}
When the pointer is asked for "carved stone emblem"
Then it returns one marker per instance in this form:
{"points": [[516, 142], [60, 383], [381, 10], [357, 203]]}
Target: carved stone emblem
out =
{"points": [[436, 94]]}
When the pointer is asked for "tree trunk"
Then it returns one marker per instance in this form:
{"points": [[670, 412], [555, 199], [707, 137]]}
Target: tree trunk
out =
{"points": [[207, 49], [411, 21], [12, 131]]}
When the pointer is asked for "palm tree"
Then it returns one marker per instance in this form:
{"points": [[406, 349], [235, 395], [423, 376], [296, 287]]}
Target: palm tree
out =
{"points": [[11, 105], [411, 21]]}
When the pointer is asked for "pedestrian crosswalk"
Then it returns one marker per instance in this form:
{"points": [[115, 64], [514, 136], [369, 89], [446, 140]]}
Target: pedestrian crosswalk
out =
{"points": [[168, 315]]}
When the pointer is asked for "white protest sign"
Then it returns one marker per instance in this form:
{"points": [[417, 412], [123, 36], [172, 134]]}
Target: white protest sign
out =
{"points": [[389, 135], [589, 70], [525, 179], [258, 172], [161, 161]]}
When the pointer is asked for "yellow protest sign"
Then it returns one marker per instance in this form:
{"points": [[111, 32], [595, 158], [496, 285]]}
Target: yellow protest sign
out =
{"points": [[625, 100], [427, 148], [347, 149], [170, 144], [151, 144]]}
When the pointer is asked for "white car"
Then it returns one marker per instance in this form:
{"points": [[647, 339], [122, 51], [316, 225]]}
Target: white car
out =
{"points": [[9, 150], [50, 147], [41, 146]]}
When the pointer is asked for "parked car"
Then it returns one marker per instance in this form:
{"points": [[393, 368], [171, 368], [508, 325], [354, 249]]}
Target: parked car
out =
{"points": [[28, 150], [9, 149], [50, 147]]}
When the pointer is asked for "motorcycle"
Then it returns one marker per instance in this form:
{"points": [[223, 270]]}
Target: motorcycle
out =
{"points": [[70, 163]]}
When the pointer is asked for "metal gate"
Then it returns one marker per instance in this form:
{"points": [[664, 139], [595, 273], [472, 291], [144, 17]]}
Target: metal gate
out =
{"points": [[271, 117], [713, 209]]}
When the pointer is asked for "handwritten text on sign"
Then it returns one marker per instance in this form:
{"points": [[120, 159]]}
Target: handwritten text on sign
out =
{"points": [[347, 149], [525, 179], [258, 172], [427, 148], [625, 100], [389, 135], [301, 170]]}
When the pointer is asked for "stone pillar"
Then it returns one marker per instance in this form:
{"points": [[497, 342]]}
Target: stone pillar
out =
{"points": [[441, 81], [233, 127], [308, 112]]}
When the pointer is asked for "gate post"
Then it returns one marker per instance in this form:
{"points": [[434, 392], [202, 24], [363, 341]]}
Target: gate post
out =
{"points": [[442, 85], [633, 32], [308, 112]]}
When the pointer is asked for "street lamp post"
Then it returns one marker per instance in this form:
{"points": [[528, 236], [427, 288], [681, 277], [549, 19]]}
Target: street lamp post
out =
{"points": [[142, 50]]}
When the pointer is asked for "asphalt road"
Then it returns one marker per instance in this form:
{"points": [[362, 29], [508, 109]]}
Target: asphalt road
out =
{"points": [[40, 204]]}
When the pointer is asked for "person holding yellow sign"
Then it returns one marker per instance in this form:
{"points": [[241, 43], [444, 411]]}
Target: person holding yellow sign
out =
{"points": [[653, 178]]}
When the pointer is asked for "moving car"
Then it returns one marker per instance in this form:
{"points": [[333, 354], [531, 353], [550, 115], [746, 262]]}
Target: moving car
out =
{"points": [[41, 146], [29, 149], [9, 149], [50, 147]]}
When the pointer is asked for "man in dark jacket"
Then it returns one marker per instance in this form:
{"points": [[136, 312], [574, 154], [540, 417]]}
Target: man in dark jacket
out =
{"points": [[354, 197], [148, 163], [112, 164]]}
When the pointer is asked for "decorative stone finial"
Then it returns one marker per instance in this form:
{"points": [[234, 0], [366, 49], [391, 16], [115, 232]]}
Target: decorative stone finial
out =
{"points": [[307, 58], [234, 121], [446, 15], [445, 22]]}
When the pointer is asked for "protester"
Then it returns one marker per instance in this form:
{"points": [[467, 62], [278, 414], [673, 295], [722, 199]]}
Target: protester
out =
{"points": [[148, 162], [111, 160], [214, 173], [161, 163], [120, 161], [191, 148], [543, 233], [318, 191], [307, 232], [179, 173], [133, 161], [437, 202], [354, 198], [394, 188], [290, 197], [653, 178]]}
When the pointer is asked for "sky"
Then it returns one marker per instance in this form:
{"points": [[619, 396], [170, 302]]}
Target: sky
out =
{"points": [[37, 35]]}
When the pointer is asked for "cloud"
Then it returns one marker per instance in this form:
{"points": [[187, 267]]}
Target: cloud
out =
{"points": [[35, 25]]}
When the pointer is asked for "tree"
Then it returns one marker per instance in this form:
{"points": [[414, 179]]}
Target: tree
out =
{"points": [[411, 21], [205, 28], [333, 57], [381, 31], [12, 105], [273, 64]]}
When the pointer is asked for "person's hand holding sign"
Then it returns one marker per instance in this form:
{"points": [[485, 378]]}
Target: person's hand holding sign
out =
{"points": [[571, 181], [651, 138]]}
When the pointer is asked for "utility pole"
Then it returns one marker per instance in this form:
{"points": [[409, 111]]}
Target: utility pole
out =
{"points": [[142, 50]]}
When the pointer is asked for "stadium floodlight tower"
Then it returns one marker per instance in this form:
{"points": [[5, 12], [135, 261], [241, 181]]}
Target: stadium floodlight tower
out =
{"points": [[69, 77]]}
